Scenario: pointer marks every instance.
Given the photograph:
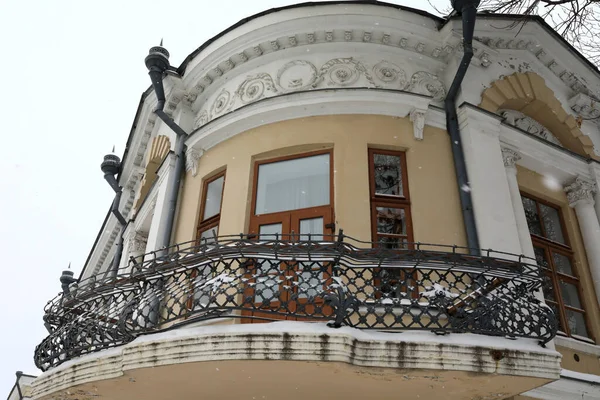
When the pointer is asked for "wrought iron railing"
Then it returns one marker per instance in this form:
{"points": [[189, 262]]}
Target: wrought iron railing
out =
{"points": [[342, 281]]}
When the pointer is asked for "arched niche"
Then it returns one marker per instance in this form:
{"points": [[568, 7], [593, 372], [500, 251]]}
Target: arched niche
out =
{"points": [[527, 93]]}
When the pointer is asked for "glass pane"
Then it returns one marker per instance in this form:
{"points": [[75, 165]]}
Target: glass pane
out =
{"points": [[391, 221], [388, 175], [562, 263], [552, 223], [570, 294], [540, 257], [268, 232], [214, 191], [208, 235], [392, 242], [548, 288], [314, 226], [533, 220], [293, 184], [576, 323]]}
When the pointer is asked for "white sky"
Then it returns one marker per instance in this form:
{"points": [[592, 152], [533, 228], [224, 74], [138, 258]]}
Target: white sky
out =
{"points": [[73, 72]]}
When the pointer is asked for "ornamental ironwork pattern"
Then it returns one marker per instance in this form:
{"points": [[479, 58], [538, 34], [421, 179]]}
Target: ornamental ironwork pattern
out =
{"points": [[341, 281]]}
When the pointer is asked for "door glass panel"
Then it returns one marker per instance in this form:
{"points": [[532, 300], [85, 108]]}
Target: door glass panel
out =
{"points": [[531, 214], [310, 275], [562, 263], [552, 223], [270, 231], [293, 184], [268, 271], [314, 226], [208, 235], [554, 308], [576, 323], [388, 175], [570, 295], [214, 191], [391, 220]]}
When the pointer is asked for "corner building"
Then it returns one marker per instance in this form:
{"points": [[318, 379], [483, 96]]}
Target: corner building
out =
{"points": [[315, 244]]}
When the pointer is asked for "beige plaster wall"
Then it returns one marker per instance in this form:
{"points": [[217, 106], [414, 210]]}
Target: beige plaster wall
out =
{"points": [[436, 210], [533, 183]]}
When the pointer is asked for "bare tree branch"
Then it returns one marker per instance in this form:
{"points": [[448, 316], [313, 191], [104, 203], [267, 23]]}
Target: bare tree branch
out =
{"points": [[578, 21]]}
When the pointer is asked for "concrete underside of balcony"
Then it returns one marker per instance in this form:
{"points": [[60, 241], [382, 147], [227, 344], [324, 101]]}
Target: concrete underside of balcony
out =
{"points": [[298, 360]]}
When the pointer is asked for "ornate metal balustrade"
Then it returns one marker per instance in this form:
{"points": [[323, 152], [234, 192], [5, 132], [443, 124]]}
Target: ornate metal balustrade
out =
{"points": [[341, 281]]}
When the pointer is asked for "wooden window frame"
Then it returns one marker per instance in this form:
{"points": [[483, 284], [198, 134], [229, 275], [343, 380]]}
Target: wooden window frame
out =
{"points": [[400, 202], [551, 247], [204, 225], [258, 163], [379, 200]]}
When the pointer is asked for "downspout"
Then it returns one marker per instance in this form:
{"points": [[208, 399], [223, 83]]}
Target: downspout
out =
{"points": [[110, 166], [468, 10], [157, 63]]}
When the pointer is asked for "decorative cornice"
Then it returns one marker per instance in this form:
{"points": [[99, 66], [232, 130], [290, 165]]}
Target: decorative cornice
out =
{"points": [[302, 75], [510, 157], [192, 156], [585, 106], [580, 191], [533, 46], [411, 43]]}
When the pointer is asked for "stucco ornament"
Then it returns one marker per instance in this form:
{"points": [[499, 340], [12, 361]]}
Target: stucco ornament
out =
{"points": [[580, 190], [428, 84], [343, 72], [417, 117], [201, 119], [510, 157], [528, 124], [192, 157], [220, 104], [388, 73], [137, 242], [297, 75], [255, 87]]}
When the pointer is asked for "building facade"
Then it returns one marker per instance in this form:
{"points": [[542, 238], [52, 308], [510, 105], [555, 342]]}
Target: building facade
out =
{"points": [[319, 193]]}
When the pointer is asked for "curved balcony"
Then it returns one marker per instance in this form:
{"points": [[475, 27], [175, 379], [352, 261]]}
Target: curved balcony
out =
{"points": [[342, 281]]}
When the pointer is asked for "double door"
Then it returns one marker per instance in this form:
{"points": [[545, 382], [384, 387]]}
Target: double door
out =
{"points": [[288, 289]]}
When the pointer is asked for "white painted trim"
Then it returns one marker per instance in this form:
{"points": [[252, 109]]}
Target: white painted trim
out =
{"points": [[577, 345], [313, 103], [566, 389]]}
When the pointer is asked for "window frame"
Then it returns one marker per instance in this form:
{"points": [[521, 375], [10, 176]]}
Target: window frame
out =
{"points": [[206, 224], [258, 163], [550, 248], [389, 201]]}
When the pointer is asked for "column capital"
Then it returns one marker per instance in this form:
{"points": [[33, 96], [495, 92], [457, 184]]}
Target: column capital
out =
{"points": [[137, 242], [580, 190], [510, 157]]}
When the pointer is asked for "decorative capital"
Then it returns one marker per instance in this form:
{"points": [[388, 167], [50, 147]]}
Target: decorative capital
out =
{"points": [[580, 191], [510, 157], [192, 156], [417, 117], [137, 242]]}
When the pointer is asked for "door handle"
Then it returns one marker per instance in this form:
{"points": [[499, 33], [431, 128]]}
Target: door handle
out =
{"points": [[330, 226]]}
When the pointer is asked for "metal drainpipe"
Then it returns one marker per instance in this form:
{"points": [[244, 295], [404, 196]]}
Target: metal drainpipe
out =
{"points": [[110, 166], [157, 63], [468, 9]]}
